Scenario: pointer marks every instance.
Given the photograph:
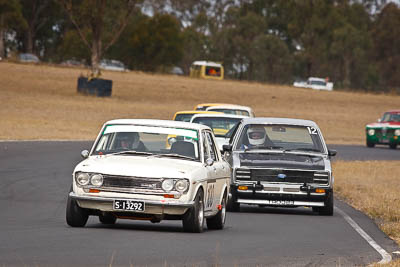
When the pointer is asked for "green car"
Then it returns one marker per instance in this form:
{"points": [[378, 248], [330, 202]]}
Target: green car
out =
{"points": [[386, 131]]}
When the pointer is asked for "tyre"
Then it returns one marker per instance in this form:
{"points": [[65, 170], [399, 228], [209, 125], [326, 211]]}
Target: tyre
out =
{"points": [[218, 221], [193, 220], [393, 145], [370, 144], [75, 215], [327, 210], [107, 218]]}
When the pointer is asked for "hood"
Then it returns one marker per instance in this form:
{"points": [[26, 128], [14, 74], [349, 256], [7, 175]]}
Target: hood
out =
{"points": [[148, 166], [390, 124], [282, 160]]}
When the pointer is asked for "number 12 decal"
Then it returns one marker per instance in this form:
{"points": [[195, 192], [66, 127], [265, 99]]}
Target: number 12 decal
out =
{"points": [[312, 130]]}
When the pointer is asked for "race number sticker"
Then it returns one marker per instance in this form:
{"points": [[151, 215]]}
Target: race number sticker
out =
{"points": [[210, 194], [312, 130]]}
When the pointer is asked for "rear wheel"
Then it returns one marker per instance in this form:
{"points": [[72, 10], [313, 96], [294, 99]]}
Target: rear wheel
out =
{"points": [[218, 221], [107, 218], [75, 215], [193, 220]]}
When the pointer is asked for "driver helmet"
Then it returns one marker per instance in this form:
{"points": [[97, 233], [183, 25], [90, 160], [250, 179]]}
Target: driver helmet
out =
{"points": [[256, 135], [129, 140]]}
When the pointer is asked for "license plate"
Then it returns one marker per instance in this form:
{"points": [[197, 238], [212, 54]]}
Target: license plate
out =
{"points": [[383, 140], [281, 202], [131, 205]]}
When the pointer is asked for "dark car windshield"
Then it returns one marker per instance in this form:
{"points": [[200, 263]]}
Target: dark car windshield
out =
{"points": [[280, 137]]}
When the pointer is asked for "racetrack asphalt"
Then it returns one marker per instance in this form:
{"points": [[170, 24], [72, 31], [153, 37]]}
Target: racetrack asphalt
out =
{"points": [[35, 178]]}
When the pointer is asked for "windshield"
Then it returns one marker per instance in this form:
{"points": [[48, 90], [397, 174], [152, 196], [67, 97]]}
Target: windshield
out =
{"points": [[221, 126], [136, 139], [183, 117], [281, 137], [230, 111], [391, 117]]}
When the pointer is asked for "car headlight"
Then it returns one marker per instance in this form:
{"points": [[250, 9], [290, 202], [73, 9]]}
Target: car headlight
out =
{"points": [[82, 178], [97, 180], [182, 185], [397, 132], [371, 132], [167, 185]]}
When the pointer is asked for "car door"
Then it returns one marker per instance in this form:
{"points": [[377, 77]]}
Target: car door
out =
{"points": [[219, 169], [209, 200]]}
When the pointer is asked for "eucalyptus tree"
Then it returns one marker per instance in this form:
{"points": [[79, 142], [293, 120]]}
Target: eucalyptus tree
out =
{"points": [[10, 19], [99, 23]]}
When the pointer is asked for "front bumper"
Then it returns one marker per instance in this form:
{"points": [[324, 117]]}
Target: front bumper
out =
{"points": [[281, 195], [105, 204]]}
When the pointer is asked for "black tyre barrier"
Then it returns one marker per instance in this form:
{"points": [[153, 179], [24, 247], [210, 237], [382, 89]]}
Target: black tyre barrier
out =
{"points": [[96, 86]]}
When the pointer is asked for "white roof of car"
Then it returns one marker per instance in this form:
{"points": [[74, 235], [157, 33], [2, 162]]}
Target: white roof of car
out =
{"points": [[230, 106], [317, 79], [161, 123], [207, 63], [286, 121], [222, 115]]}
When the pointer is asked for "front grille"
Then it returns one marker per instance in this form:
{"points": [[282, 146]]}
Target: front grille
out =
{"points": [[129, 182], [282, 176], [380, 133]]}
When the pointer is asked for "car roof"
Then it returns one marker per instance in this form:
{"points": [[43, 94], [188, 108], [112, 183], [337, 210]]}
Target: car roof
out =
{"points": [[162, 123], [393, 111], [207, 63], [286, 121], [209, 104], [197, 112], [218, 115], [230, 106]]}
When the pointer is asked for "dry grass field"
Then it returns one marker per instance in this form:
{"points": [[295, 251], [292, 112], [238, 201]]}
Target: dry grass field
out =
{"points": [[41, 102]]}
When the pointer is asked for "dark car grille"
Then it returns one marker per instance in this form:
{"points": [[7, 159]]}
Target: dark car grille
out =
{"points": [[388, 133], [282, 176], [131, 182]]}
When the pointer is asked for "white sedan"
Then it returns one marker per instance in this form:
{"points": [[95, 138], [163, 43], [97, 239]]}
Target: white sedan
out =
{"points": [[130, 173]]}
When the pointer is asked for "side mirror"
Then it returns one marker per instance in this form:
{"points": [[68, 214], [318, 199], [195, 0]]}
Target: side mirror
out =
{"points": [[332, 153], [209, 162], [85, 154], [227, 148]]}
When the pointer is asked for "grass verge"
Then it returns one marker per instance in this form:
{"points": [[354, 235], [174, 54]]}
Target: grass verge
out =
{"points": [[372, 187]]}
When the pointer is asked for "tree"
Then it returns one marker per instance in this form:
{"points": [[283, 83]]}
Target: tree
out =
{"points": [[150, 43], [386, 35], [10, 18], [99, 23]]}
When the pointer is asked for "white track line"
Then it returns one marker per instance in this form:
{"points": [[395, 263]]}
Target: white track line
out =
{"points": [[386, 257]]}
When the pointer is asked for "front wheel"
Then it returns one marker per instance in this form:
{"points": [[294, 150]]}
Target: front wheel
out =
{"points": [[75, 215], [218, 221], [193, 220], [327, 210], [393, 145], [370, 144]]}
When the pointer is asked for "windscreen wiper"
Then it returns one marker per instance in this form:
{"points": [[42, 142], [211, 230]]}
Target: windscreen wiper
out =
{"points": [[304, 149], [262, 147], [132, 152], [174, 156]]}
